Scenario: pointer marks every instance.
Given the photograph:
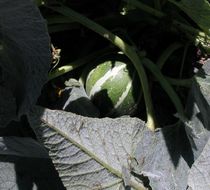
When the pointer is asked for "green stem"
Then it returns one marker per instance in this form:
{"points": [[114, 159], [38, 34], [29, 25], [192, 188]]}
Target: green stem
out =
{"points": [[128, 50], [165, 85], [75, 64], [146, 8], [187, 83], [183, 60], [180, 82], [167, 53]]}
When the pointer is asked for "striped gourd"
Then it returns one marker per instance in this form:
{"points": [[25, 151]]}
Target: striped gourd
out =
{"points": [[114, 88]]}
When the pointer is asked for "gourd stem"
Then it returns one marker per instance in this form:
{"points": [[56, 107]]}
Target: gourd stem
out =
{"points": [[128, 50]]}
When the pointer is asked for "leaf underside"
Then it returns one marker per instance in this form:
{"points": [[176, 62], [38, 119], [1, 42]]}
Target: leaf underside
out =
{"points": [[102, 153], [88, 153]]}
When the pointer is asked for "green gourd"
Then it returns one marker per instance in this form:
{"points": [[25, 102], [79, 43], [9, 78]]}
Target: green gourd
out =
{"points": [[113, 86]]}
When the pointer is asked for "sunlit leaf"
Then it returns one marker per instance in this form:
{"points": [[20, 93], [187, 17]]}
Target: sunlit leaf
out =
{"points": [[199, 174], [89, 153], [164, 158]]}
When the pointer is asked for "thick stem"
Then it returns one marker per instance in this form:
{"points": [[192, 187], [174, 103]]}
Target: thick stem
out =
{"points": [[180, 82]]}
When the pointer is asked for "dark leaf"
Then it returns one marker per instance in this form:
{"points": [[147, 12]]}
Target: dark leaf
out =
{"points": [[24, 57], [24, 164]]}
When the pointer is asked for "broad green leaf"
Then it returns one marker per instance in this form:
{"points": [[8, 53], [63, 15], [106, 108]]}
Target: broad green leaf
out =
{"points": [[198, 10], [89, 153], [25, 164], [24, 57]]}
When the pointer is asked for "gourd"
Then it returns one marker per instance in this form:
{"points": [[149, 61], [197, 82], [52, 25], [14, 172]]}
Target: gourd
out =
{"points": [[113, 86]]}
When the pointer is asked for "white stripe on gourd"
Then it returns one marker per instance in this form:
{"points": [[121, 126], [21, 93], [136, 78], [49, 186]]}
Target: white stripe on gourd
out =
{"points": [[111, 73], [123, 96]]}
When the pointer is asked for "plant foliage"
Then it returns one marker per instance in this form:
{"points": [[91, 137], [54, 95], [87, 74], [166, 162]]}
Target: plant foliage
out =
{"points": [[24, 58], [42, 148]]}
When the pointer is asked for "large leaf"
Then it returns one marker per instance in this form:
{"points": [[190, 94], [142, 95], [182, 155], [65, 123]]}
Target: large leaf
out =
{"points": [[198, 111], [199, 174], [24, 57], [88, 153], [164, 157], [25, 164], [198, 10], [198, 129]]}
